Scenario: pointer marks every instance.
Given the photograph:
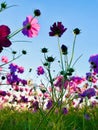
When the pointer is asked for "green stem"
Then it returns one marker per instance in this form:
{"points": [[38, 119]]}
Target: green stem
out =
{"points": [[60, 55], [72, 55], [14, 33], [51, 82], [2, 9]]}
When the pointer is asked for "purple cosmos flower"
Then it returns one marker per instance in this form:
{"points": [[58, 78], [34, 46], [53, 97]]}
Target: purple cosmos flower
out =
{"points": [[94, 62], [64, 111], [12, 78], [40, 70], [35, 105], [13, 68], [90, 77], [57, 29], [49, 104], [88, 93], [23, 81], [87, 116], [24, 99], [2, 93]]}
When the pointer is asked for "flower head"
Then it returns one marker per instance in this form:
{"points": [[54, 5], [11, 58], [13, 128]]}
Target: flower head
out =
{"points": [[31, 27], [87, 116], [4, 41], [4, 31], [4, 59], [88, 93], [49, 104], [77, 79], [57, 29], [59, 81], [64, 111], [40, 70], [94, 62], [91, 78]]}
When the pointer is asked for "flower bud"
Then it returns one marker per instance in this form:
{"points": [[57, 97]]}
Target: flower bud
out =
{"points": [[24, 52], [76, 31], [3, 5], [50, 59], [44, 50], [64, 50], [37, 12]]}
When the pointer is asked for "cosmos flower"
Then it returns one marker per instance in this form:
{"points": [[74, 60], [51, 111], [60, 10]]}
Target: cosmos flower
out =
{"points": [[31, 27], [64, 111], [91, 78], [13, 67], [40, 70], [4, 59], [88, 93], [20, 69], [57, 29], [4, 41], [77, 79], [94, 62], [49, 104], [59, 81], [2, 93], [87, 116], [4, 31]]}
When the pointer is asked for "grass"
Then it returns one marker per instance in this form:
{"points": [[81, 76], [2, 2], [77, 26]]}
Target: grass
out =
{"points": [[11, 119]]}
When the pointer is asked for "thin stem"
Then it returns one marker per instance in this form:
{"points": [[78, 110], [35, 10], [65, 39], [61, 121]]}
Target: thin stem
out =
{"points": [[60, 55], [66, 61], [51, 82], [11, 60], [14, 33], [77, 60], [72, 55]]}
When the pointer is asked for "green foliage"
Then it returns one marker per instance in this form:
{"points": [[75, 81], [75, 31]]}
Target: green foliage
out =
{"points": [[11, 119]]}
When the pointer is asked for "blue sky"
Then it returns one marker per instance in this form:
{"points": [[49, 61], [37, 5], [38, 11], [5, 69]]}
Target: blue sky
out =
{"points": [[82, 14]]}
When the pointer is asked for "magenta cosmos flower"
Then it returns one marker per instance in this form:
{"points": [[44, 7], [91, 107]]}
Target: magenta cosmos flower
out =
{"points": [[4, 41], [57, 29], [31, 27], [94, 62], [40, 70]]}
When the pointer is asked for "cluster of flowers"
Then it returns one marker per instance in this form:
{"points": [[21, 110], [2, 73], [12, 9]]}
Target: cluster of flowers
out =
{"points": [[62, 91]]}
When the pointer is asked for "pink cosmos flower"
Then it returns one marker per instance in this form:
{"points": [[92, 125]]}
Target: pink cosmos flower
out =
{"points": [[0, 68], [20, 69], [59, 81], [77, 80], [4, 59], [31, 27]]}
